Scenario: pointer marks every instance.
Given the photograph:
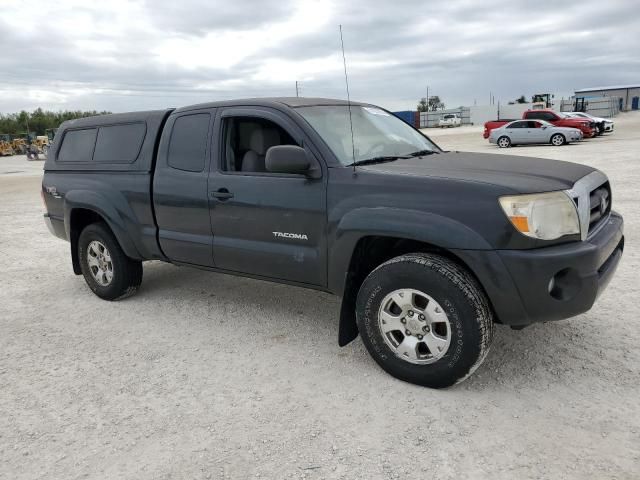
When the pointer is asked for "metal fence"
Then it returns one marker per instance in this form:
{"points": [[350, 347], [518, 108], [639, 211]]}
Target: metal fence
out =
{"points": [[431, 119], [597, 106]]}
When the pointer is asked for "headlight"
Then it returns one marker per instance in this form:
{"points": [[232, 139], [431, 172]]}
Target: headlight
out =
{"points": [[546, 216]]}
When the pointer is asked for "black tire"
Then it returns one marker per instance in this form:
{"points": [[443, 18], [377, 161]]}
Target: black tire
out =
{"points": [[127, 273], [462, 299], [561, 140], [600, 127], [505, 143]]}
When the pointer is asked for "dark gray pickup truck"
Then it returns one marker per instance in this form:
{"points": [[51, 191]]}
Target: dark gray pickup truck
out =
{"points": [[428, 249]]}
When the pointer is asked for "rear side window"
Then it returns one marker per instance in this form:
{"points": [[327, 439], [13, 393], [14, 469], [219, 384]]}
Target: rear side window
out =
{"points": [[77, 145], [539, 115], [119, 143], [188, 143]]}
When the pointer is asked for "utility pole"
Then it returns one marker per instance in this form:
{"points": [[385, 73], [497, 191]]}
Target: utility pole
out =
{"points": [[426, 117], [297, 89]]}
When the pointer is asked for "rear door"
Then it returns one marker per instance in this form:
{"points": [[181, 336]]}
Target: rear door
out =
{"points": [[515, 131], [265, 224], [180, 188]]}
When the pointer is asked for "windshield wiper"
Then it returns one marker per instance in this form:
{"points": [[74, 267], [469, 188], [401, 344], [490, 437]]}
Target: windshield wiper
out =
{"points": [[421, 153], [381, 159]]}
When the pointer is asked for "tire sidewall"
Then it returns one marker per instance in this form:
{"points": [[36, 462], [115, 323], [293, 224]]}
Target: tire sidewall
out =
{"points": [[555, 135], [100, 233], [508, 142], [464, 348]]}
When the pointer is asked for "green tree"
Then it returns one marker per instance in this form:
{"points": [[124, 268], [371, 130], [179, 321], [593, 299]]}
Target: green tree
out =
{"points": [[39, 120], [435, 103], [521, 99], [422, 105]]}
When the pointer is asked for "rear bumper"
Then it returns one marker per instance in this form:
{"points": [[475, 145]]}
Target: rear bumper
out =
{"points": [[552, 283]]}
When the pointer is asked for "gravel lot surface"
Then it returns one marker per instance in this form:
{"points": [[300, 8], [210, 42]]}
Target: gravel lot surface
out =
{"points": [[203, 375]]}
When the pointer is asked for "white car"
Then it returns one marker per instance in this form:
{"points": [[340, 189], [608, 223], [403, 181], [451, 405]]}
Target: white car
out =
{"points": [[521, 132], [449, 120], [603, 124]]}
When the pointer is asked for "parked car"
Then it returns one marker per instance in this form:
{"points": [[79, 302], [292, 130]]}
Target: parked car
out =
{"points": [[427, 249], [522, 132], [449, 120], [588, 127], [602, 124]]}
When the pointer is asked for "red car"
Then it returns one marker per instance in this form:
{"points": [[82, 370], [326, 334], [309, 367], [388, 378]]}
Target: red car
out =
{"points": [[587, 127]]}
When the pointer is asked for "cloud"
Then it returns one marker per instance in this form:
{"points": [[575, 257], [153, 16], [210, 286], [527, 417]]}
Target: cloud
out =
{"points": [[126, 55]]}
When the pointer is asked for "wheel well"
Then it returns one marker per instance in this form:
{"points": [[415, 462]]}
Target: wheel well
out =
{"points": [[78, 220], [369, 253]]}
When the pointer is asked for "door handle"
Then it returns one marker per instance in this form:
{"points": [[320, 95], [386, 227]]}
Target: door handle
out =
{"points": [[222, 194]]}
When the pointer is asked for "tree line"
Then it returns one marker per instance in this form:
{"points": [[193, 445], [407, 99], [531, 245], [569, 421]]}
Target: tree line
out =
{"points": [[39, 120], [431, 105]]}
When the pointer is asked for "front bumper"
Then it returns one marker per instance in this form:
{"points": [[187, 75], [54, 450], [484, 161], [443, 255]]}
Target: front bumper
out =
{"points": [[551, 283], [55, 226]]}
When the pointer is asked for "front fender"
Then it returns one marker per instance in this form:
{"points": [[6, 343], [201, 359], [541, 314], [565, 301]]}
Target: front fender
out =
{"points": [[437, 230], [117, 219]]}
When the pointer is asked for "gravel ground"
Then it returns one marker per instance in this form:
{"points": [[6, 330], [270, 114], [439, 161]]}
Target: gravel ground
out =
{"points": [[209, 376]]}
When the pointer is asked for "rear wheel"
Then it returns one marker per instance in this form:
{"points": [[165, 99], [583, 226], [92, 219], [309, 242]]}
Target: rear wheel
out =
{"points": [[110, 274], [424, 320], [504, 142], [557, 139]]}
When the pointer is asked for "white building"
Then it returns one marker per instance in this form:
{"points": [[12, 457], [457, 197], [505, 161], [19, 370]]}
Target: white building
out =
{"points": [[628, 95]]}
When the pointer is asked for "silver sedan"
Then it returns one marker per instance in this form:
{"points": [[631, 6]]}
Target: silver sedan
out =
{"points": [[522, 132]]}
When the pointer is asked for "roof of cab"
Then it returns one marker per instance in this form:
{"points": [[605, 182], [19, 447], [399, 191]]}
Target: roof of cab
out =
{"points": [[292, 102]]}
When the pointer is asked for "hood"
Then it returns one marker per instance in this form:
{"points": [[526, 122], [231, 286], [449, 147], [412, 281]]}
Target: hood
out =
{"points": [[519, 174]]}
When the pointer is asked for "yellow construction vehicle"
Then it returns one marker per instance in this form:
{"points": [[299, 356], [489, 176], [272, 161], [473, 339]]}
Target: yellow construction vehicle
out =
{"points": [[42, 142], [19, 145], [5, 145]]}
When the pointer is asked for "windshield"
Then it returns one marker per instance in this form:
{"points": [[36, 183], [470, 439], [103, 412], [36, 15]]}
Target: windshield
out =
{"points": [[376, 133]]}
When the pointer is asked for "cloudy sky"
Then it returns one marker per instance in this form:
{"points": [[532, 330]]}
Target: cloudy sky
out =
{"points": [[127, 55]]}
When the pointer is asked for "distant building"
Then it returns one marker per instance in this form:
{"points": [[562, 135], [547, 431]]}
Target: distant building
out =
{"points": [[628, 95]]}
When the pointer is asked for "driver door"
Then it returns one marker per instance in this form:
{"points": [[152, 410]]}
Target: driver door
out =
{"points": [[536, 133], [265, 224]]}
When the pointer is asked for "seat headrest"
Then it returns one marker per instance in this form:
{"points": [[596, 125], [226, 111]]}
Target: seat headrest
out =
{"points": [[262, 139], [244, 133]]}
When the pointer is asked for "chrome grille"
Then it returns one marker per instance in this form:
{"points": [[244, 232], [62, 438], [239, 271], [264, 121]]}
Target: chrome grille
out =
{"points": [[590, 193], [599, 204]]}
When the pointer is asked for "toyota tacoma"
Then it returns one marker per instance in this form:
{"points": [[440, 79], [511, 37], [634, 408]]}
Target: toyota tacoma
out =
{"points": [[427, 248]]}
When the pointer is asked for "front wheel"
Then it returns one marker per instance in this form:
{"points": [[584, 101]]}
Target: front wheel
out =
{"points": [[424, 319], [109, 273], [558, 139]]}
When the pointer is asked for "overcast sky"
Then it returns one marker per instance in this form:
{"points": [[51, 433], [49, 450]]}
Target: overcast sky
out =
{"points": [[128, 55]]}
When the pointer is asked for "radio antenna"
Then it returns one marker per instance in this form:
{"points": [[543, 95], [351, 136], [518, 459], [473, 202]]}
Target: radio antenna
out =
{"points": [[346, 81]]}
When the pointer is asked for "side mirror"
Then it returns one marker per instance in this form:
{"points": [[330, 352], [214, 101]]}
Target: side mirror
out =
{"points": [[544, 127], [290, 159]]}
